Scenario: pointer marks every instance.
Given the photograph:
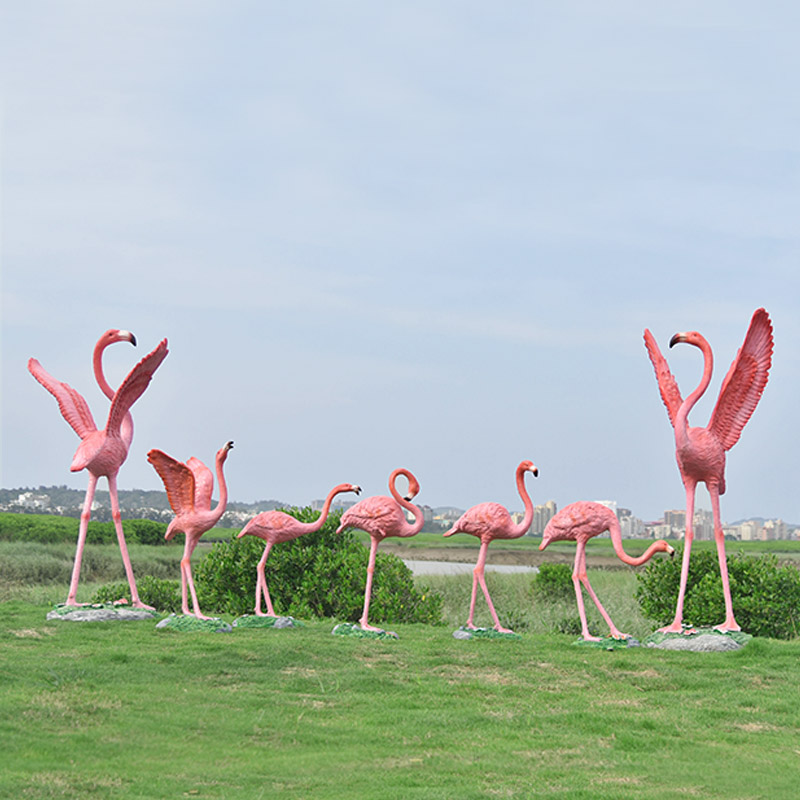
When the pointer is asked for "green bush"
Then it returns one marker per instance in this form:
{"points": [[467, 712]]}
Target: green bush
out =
{"points": [[553, 582], [163, 595], [50, 529], [321, 574], [766, 595]]}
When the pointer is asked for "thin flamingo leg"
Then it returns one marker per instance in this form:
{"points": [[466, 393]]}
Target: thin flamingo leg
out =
{"points": [[368, 591], [612, 627], [676, 625], [186, 564], [262, 582], [730, 623], [86, 512], [123, 548], [578, 577], [470, 623], [480, 572]]}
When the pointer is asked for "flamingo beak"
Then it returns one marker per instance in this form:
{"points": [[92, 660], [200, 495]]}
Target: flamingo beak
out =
{"points": [[671, 551], [678, 337], [127, 336], [535, 472], [357, 490], [229, 445]]}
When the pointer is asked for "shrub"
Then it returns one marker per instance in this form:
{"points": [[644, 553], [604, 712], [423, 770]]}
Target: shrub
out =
{"points": [[50, 529], [321, 574], [553, 582], [163, 595], [766, 595]]}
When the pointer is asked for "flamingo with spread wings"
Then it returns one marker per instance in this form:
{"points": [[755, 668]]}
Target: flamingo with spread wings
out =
{"points": [[700, 452], [102, 452], [189, 487]]}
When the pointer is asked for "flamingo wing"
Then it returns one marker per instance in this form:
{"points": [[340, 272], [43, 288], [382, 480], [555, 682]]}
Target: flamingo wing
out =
{"points": [[745, 381], [667, 384], [203, 483], [178, 480], [73, 407], [133, 386]]}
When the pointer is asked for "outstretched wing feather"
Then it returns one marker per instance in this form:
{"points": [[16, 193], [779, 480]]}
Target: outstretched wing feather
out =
{"points": [[745, 382], [203, 483], [668, 386], [178, 480], [73, 407], [133, 386]]}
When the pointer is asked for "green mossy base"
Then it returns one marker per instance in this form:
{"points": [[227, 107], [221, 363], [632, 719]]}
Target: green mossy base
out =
{"points": [[256, 621], [186, 623], [351, 629], [103, 612], [609, 643], [483, 633]]}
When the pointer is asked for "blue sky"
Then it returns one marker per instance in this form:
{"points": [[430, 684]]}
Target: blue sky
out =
{"points": [[414, 234]]}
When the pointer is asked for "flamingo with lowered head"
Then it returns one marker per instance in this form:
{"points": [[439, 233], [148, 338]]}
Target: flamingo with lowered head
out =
{"points": [[700, 452], [102, 452], [490, 521], [278, 526], [382, 517], [579, 522], [189, 487]]}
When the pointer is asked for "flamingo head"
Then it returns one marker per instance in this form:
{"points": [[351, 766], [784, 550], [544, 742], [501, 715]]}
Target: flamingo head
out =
{"points": [[113, 335], [222, 453], [413, 488], [353, 487], [529, 466], [689, 337]]}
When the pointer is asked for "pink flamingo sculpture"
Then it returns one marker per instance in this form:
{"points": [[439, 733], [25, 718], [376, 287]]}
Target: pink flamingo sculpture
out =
{"points": [[578, 522], [490, 521], [382, 517], [189, 487], [701, 451], [278, 526], [102, 452]]}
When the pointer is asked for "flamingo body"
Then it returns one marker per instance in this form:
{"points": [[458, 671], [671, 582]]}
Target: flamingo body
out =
{"points": [[189, 487], [489, 521], [102, 452], [382, 517], [700, 452], [278, 526], [579, 522]]}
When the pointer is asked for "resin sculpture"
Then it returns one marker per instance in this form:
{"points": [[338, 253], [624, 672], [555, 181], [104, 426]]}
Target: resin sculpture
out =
{"points": [[278, 526], [189, 487], [490, 521], [579, 522], [382, 517], [700, 452], [102, 452]]}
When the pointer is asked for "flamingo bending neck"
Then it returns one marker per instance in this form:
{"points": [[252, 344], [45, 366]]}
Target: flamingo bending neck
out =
{"points": [[405, 502]]}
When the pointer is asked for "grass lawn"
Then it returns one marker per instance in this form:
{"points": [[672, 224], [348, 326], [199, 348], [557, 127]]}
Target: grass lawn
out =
{"points": [[120, 710]]}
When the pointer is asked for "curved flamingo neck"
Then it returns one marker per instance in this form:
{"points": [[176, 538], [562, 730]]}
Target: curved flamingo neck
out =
{"points": [[126, 428], [419, 517], [222, 503], [525, 523], [311, 527], [616, 540], [682, 417]]}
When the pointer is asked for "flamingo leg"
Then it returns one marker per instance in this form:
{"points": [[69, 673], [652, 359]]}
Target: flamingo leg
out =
{"points": [[578, 578], [363, 622], [470, 623], [186, 571], [86, 512], [478, 573], [123, 548], [676, 625], [261, 583], [730, 623], [584, 578]]}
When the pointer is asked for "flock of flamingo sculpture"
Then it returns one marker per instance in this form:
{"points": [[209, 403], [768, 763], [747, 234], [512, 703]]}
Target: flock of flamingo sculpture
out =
{"points": [[700, 453]]}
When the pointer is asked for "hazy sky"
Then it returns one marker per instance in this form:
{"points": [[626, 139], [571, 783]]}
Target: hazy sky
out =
{"points": [[420, 234]]}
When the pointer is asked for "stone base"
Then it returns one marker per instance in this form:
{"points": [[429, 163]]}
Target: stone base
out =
{"points": [[257, 621], [351, 629], [187, 623], [100, 612], [699, 640], [483, 633]]}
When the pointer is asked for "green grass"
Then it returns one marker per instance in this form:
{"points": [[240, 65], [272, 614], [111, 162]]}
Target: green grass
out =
{"points": [[124, 711]]}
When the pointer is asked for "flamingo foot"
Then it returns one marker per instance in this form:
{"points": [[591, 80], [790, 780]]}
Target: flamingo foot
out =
{"points": [[619, 635], [140, 604], [501, 629], [729, 626], [589, 638], [365, 626], [677, 627]]}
